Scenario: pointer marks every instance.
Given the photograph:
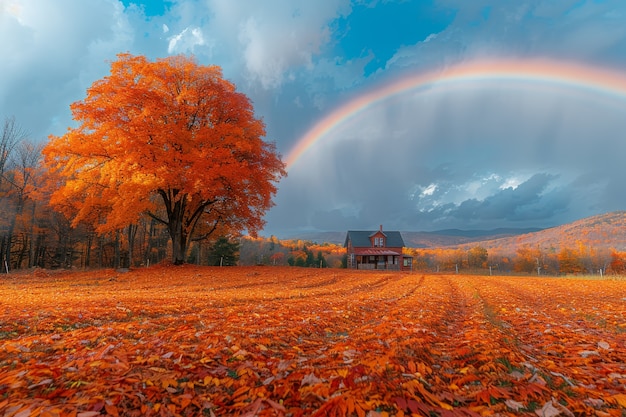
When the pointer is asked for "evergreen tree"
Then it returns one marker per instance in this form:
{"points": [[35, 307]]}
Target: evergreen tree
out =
{"points": [[310, 259], [224, 252], [320, 260]]}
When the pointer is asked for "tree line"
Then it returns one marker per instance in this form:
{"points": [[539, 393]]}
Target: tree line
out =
{"points": [[579, 259], [290, 252]]}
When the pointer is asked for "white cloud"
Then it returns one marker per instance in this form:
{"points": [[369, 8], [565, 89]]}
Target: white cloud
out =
{"points": [[186, 41], [512, 182], [568, 29], [430, 190], [56, 50], [275, 36], [12, 9], [430, 37]]}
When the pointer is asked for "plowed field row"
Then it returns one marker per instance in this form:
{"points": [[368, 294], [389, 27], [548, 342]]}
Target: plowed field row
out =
{"points": [[194, 341]]}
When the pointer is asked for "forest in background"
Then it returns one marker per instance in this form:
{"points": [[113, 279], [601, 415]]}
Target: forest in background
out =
{"points": [[577, 258]]}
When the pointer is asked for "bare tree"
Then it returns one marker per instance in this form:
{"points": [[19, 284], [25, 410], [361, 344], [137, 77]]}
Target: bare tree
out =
{"points": [[10, 175], [11, 135], [26, 179]]}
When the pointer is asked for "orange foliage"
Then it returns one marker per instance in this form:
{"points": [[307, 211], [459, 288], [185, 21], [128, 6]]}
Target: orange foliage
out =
{"points": [[171, 138], [618, 262], [569, 262], [583, 258], [269, 341]]}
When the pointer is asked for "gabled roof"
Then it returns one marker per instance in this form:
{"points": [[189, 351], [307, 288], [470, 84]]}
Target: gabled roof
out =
{"points": [[361, 238], [378, 231]]}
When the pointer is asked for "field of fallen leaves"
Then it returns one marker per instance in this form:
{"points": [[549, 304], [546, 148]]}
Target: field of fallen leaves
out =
{"points": [[198, 341]]}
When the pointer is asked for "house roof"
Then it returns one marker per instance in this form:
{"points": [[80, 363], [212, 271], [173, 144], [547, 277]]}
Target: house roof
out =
{"points": [[361, 238], [376, 251], [378, 231]]}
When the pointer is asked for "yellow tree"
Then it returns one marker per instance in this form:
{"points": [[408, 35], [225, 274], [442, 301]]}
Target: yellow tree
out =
{"points": [[171, 139], [528, 259], [477, 257], [570, 261]]}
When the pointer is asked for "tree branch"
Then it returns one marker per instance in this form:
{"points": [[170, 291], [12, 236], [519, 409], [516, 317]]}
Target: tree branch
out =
{"points": [[210, 232], [157, 218]]}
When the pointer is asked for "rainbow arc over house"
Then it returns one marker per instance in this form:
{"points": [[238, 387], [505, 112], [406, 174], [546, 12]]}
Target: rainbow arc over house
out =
{"points": [[567, 75]]}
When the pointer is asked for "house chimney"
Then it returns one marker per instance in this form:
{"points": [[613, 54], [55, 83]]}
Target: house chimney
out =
{"points": [[381, 227]]}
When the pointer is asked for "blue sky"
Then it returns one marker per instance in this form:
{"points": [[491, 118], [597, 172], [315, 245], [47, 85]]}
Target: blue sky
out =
{"points": [[478, 155]]}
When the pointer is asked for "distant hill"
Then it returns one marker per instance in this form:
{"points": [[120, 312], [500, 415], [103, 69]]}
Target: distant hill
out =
{"points": [[602, 231], [456, 237], [447, 237], [337, 238]]}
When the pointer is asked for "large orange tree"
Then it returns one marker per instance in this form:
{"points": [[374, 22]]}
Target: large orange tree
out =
{"points": [[170, 139]]}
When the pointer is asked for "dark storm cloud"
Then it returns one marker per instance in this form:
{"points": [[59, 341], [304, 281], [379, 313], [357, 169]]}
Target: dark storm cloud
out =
{"points": [[525, 202]]}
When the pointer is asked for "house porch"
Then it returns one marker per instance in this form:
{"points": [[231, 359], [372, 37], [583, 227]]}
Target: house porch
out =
{"points": [[385, 260]]}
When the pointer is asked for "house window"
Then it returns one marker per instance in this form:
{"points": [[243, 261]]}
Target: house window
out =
{"points": [[379, 242]]}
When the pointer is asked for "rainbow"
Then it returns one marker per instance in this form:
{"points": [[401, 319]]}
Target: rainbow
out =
{"points": [[557, 73]]}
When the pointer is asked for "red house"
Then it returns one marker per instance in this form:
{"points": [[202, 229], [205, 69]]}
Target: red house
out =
{"points": [[376, 250]]}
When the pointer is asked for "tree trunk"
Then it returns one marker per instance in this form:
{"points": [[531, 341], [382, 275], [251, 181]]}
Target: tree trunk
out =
{"points": [[148, 238], [179, 240], [23, 250], [39, 251], [7, 250], [2, 255], [180, 223], [130, 245], [176, 230], [117, 249], [31, 257], [132, 232], [88, 250], [100, 251]]}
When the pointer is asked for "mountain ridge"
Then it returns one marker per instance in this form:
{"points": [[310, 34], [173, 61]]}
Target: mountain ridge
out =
{"points": [[603, 231]]}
